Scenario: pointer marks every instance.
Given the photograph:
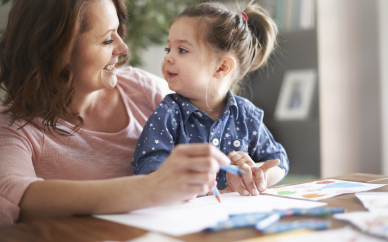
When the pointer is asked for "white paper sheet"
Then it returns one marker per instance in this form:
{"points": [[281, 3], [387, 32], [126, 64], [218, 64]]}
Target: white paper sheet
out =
{"points": [[153, 237], [375, 223], [374, 201], [201, 213]]}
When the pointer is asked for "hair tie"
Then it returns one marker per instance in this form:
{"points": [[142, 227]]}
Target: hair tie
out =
{"points": [[244, 15]]}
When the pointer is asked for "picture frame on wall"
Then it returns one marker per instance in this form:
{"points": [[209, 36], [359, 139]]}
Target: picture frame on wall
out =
{"points": [[296, 95]]}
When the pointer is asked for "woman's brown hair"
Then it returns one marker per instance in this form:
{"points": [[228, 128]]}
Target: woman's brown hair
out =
{"points": [[35, 54], [226, 31]]}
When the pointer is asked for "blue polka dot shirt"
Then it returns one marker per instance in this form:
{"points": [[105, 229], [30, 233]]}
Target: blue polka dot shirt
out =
{"points": [[177, 121]]}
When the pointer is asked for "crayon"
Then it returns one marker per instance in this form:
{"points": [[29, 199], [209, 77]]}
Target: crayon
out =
{"points": [[239, 222], [319, 212], [268, 221], [306, 224], [233, 170], [217, 194]]}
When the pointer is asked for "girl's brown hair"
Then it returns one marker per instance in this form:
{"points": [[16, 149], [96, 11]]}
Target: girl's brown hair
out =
{"points": [[35, 54], [225, 31]]}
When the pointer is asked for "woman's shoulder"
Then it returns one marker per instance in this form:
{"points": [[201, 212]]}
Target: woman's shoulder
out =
{"points": [[6, 120], [19, 127], [133, 79]]}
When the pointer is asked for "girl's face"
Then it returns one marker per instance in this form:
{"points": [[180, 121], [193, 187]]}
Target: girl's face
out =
{"points": [[184, 67], [98, 49]]}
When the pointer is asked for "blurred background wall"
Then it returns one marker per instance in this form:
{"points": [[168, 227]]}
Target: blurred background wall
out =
{"points": [[345, 129]]}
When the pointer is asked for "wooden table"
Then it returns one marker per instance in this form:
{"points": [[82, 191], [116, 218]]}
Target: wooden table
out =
{"points": [[88, 228]]}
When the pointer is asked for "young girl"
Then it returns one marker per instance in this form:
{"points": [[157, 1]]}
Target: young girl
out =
{"points": [[210, 50]]}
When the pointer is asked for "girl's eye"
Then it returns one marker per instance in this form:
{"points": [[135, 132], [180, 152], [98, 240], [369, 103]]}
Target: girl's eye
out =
{"points": [[182, 50], [108, 42], [167, 50]]}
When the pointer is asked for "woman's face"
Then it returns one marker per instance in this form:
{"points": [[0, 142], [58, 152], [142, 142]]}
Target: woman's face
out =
{"points": [[98, 49]]}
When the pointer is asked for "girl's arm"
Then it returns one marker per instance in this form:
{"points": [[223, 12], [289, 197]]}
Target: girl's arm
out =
{"points": [[157, 139], [188, 171], [266, 162]]}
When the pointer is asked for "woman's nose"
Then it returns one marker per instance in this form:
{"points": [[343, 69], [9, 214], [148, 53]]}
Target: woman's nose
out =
{"points": [[122, 48]]}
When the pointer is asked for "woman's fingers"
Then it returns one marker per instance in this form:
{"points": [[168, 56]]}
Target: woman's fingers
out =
{"points": [[199, 178], [189, 171]]}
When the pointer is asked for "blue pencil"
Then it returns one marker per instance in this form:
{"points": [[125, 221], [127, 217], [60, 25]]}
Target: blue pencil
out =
{"points": [[306, 224], [217, 194], [268, 221], [239, 222], [319, 212], [233, 170]]}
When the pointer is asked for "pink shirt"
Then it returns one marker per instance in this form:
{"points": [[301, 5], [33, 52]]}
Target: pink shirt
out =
{"points": [[32, 153]]}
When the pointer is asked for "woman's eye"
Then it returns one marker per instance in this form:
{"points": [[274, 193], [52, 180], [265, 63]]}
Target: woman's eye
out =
{"points": [[167, 50], [182, 50], [108, 42]]}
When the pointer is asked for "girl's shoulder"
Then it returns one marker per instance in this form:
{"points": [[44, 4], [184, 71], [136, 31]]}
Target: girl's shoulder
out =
{"points": [[248, 108]]}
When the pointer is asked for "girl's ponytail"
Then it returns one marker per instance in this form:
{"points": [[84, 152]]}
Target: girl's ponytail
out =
{"points": [[264, 32]]}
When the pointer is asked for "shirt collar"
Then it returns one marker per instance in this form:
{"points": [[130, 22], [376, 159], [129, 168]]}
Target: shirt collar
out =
{"points": [[188, 108], [231, 104]]}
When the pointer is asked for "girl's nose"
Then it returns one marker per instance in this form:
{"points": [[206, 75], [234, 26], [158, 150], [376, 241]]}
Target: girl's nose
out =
{"points": [[168, 58]]}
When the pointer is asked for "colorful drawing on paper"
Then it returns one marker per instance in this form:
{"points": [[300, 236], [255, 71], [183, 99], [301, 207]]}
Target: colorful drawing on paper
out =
{"points": [[322, 189], [324, 182], [285, 193], [343, 185], [313, 195]]}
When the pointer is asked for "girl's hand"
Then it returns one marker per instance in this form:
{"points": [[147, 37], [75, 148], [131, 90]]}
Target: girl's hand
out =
{"points": [[187, 172], [256, 176]]}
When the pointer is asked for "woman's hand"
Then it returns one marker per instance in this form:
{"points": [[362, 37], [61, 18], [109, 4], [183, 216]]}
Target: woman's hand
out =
{"points": [[256, 176], [187, 172]]}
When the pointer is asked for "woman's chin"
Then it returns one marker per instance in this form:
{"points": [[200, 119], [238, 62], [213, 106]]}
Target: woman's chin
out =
{"points": [[110, 82]]}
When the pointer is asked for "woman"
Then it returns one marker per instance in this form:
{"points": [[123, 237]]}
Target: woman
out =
{"points": [[70, 120]]}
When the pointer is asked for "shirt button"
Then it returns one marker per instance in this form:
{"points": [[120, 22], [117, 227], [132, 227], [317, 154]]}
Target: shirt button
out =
{"points": [[215, 141], [236, 143]]}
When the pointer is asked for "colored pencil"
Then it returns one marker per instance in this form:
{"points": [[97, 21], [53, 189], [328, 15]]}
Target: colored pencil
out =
{"points": [[306, 224], [268, 221], [239, 222], [217, 194], [233, 170]]}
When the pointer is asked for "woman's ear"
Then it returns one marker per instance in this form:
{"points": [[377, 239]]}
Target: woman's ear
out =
{"points": [[226, 66]]}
